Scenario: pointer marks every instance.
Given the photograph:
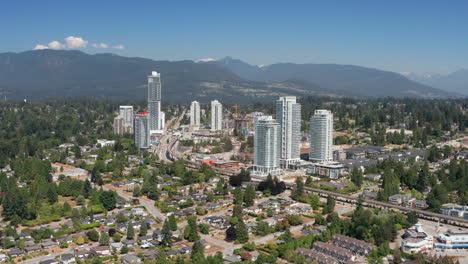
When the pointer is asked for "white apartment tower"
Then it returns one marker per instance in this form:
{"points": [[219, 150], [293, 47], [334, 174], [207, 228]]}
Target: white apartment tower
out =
{"points": [[216, 116], [119, 125], [266, 145], [321, 136], [195, 114], [288, 115], [126, 111], [154, 101]]}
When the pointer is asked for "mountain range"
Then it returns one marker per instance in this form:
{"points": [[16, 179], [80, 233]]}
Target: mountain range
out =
{"points": [[456, 82], [64, 73]]}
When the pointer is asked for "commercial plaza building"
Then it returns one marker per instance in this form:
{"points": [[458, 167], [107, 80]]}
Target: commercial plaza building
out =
{"points": [[195, 114], [154, 101], [216, 116], [288, 115], [266, 150], [321, 136]]}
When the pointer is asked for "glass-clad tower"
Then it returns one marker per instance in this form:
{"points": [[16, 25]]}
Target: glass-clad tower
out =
{"points": [[288, 115], [154, 101]]}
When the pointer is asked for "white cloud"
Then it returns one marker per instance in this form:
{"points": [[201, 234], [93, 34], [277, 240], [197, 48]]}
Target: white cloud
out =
{"points": [[101, 45], [40, 47], [119, 47], [75, 42], [55, 45], [206, 60]]}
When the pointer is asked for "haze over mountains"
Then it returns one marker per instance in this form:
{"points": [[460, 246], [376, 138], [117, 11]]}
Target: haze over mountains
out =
{"points": [[60, 73], [456, 82]]}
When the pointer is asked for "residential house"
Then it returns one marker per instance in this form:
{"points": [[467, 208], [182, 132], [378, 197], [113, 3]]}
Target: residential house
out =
{"points": [[314, 255], [82, 254], [399, 198], [131, 259], [48, 243], [373, 177], [33, 248], [49, 261], [342, 254], [355, 245], [414, 203], [67, 259], [151, 254], [101, 251], [15, 252]]}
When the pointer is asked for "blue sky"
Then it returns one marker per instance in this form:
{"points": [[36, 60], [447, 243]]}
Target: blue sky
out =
{"points": [[402, 36]]}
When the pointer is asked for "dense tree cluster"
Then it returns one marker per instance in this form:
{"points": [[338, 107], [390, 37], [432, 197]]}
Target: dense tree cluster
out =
{"points": [[272, 185]]}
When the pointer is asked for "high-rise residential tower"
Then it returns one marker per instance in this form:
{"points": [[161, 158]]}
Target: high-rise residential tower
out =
{"points": [[288, 115], [154, 101], [142, 131], [216, 116], [195, 114], [321, 136], [126, 111], [119, 125], [266, 145]]}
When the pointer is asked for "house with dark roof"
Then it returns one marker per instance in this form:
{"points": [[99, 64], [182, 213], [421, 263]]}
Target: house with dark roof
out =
{"points": [[131, 259]]}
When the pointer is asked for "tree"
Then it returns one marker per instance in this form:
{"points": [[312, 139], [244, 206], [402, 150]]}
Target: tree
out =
{"points": [[320, 220], [93, 235], [87, 189], [249, 195], [130, 231], [412, 218], [286, 236], [204, 228], [309, 182], [238, 195], [356, 177], [172, 222], [231, 233], [104, 240], [80, 200], [329, 206], [423, 178], [124, 250], [136, 191], [298, 190], [192, 229], [96, 176], [143, 228], [52, 195], [108, 200], [237, 211], [66, 208], [242, 232], [197, 254], [166, 234]]}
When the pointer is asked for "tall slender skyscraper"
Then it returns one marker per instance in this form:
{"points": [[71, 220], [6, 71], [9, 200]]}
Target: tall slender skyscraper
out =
{"points": [[321, 136], [266, 147], [288, 115], [216, 116], [195, 114], [142, 131], [154, 100]]}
